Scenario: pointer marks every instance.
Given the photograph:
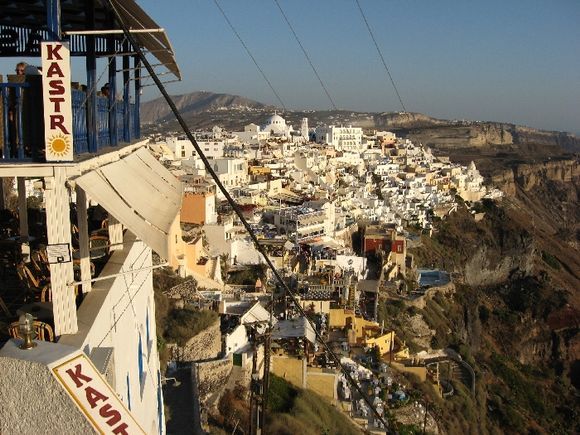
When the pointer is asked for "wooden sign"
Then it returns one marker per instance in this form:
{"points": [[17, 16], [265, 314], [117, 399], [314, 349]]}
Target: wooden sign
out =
{"points": [[95, 397], [57, 99]]}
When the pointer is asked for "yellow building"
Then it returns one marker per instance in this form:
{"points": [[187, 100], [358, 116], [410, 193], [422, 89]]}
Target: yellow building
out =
{"points": [[295, 371], [385, 342], [367, 333]]}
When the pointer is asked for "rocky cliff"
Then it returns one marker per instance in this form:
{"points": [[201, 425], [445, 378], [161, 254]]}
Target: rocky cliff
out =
{"points": [[450, 135], [528, 176]]}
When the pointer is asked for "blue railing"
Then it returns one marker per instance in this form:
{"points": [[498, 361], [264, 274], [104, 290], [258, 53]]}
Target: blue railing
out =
{"points": [[80, 136], [12, 95], [18, 116]]}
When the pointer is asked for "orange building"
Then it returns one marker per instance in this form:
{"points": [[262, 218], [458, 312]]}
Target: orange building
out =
{"points": [[198, 208]]}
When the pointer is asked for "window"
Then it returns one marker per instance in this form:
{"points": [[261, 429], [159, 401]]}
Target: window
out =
{"points": [[128, 392], [147, 326], [140, 361]]}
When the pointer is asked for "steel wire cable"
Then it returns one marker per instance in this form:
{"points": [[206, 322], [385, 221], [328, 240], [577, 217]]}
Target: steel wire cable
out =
{"points": [[306, 55], [249, 53], [380, 55], [240, 216]]}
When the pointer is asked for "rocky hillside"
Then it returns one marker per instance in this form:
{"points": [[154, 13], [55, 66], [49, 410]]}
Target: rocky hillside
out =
{"points": [[515, 316]]}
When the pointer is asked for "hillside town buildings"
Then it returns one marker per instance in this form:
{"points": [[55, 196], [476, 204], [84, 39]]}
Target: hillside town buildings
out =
{"points": [[330, 205]]}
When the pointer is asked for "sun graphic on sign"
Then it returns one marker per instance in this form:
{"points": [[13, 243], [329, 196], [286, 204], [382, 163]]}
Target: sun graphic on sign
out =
{"points": [[59, 144]]}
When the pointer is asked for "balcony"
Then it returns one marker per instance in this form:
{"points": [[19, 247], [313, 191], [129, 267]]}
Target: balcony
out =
{"points": [[21, 122]]}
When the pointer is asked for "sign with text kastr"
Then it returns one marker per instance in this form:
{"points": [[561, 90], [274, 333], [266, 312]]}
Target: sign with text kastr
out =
{"points": [[94, 396], [57, 99]]}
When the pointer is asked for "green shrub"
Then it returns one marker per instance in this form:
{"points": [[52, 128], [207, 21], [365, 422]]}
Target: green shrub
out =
{"points": [[281, 395], [303, 412], [550, 260], [183, 324]]}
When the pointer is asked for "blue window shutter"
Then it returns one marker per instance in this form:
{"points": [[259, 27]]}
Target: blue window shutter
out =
{"points": [[140, 359], [128, 393], [147, 326]]}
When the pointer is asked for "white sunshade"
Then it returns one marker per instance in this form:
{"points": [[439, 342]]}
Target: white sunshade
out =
{"points": [[158, 43], [140, 193]]}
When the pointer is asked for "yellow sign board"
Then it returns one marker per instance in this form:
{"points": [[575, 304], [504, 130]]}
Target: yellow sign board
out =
{"points": [[57, 99]]}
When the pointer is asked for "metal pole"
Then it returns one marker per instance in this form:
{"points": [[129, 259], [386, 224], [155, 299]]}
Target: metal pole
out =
{"points": [[115, 275], [425, 418], [112, 31]]}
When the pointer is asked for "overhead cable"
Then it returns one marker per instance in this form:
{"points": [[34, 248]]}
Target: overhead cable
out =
{"points": [[249, 53], [243, 220], [306, 55], [380, 54]]}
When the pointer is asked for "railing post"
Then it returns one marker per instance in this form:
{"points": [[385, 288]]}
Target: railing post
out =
{"points": [[126, 94], [137, 109], [91, 65], [6, 129], [19, 131], [53, 19], [111, 49]]}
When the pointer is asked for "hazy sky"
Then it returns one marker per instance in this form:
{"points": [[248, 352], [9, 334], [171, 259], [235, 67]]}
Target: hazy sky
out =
{"points": [[515, 61]]}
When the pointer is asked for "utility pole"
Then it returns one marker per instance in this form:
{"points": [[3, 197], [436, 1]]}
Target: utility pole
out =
{"points": [[259, 384], [425, 418]]}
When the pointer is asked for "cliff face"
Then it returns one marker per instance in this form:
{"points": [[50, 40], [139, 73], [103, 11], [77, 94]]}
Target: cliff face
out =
{"points": [[452, 137], [398, 120], [496, 136], [486, 267], [529, 176]]}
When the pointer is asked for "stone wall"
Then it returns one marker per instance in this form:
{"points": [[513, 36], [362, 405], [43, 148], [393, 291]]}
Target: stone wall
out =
{"points": [[205, 345], [212, 376], [291, 369], [32, 401], [321, 382]]}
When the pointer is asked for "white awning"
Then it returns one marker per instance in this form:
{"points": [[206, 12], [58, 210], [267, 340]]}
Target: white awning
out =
{"points": [[140, 193], [157, 42]]}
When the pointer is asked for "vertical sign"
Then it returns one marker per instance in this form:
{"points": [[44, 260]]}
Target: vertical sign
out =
{"points": [[57, 100]]}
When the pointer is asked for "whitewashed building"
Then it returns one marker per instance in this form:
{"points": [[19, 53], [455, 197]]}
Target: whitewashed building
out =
{"points": [[341, 138]]}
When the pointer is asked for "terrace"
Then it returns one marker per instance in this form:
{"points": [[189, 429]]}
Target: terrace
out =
{"points": [[80, 152], [88, 29], [82, 206]]}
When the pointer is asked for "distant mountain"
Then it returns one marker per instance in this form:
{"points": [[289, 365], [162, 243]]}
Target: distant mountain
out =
{"points": [[157, 111]]}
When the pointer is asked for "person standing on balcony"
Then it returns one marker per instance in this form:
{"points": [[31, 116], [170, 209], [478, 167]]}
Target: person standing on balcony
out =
{"points": [[105, 90], [20, 68], [12, 129]]}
